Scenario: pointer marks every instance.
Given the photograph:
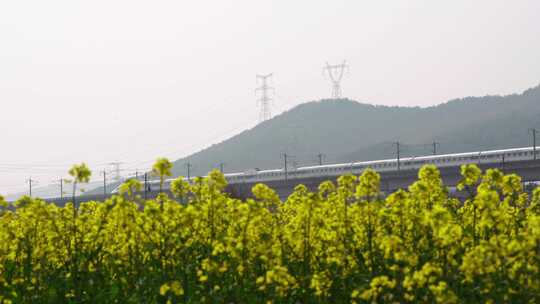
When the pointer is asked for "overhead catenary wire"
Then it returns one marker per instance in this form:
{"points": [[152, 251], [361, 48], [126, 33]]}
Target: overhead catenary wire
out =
{"points": [[207, 142]]}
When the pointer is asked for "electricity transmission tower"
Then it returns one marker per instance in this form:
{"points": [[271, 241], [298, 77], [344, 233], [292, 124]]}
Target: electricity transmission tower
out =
{"points": [[335, 73], [264, 101]]}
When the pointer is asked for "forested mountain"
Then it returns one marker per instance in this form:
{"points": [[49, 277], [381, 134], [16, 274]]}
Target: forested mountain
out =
{"points": [[346, 130]]}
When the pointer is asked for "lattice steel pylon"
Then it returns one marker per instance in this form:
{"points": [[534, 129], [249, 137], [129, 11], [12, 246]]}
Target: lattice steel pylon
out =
{"points": [[335, 73], [264, 101]]}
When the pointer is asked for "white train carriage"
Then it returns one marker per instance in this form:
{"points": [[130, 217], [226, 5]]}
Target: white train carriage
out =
{"points": [[407, 163]]}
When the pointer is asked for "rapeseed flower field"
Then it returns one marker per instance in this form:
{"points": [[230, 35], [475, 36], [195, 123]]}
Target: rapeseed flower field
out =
{"points": [[343, 243]]}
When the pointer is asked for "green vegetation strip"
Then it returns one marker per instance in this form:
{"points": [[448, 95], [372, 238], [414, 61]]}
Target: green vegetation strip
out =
{"points": [[344, 243]]}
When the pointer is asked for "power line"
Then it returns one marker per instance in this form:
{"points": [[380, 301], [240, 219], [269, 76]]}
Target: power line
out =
{"points": [[265, 99], [206, 111], [212, 138]]}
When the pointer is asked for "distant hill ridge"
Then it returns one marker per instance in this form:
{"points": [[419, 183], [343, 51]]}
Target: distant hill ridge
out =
{"points": [[345, 130]]}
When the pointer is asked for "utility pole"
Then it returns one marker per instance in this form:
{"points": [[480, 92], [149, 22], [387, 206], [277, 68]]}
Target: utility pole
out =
{"points": [[335, 73], [398, 154], [145, 185], [30, 181], [533, 131], [320, 156], [104, 182], [61, 183], [435, 144], [61, 188], [188, 166], [285, 167], [265, 99]]}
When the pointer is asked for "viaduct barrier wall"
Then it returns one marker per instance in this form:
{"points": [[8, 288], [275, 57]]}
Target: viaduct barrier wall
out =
{"points": [[390, 181]]}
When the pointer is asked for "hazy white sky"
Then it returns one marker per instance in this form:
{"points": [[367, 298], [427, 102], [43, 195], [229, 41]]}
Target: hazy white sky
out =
{"points": [[110, 80]]}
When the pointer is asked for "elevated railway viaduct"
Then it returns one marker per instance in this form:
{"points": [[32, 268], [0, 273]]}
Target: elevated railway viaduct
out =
{"points": [[529, 170]]}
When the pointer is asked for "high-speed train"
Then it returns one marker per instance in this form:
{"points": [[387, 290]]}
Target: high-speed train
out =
{"points": [[407, 163]]}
